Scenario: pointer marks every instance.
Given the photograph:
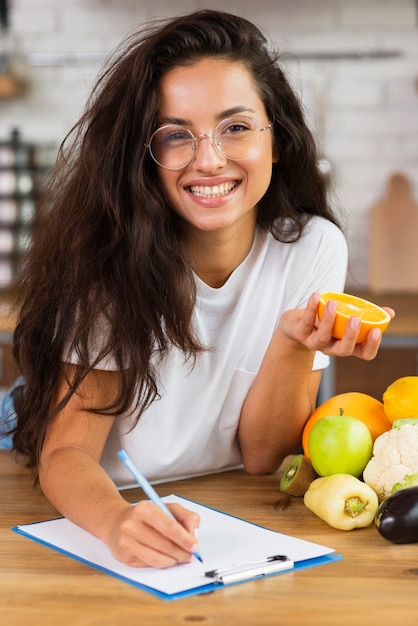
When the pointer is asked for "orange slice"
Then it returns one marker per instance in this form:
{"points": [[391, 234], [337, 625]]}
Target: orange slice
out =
{"points": [[372, 316]]}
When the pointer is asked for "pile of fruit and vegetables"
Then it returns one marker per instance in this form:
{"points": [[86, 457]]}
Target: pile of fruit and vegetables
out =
{"points": [[360, 462]]}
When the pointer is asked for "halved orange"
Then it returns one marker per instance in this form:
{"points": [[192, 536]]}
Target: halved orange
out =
{"points": [[372, 315]]}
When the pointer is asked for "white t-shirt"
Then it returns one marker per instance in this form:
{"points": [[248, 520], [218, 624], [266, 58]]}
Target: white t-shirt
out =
{"points": [[191, 430]]}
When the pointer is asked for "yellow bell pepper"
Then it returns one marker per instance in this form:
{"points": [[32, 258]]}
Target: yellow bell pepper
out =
{"points": [[342, 500]]}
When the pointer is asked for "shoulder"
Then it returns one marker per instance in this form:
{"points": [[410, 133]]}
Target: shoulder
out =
{"points": [[320, 229], [316, 262], [322, 244], [319, 236], [325, 243]]}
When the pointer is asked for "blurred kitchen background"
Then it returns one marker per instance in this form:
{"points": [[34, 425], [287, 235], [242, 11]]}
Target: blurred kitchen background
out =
{"points": [[354, 64]]}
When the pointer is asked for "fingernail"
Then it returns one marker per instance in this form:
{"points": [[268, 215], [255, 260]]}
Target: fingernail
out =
{"points": [[332, 306], [355, 322], [195, 548], [376, 333], [196, 545]]}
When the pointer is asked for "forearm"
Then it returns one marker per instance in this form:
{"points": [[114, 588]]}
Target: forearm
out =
{"points": [[278, 404], [78, 487], [73, 480]]}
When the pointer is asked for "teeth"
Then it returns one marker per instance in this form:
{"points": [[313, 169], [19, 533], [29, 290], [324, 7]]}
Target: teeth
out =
{"points": [[212, 192]]}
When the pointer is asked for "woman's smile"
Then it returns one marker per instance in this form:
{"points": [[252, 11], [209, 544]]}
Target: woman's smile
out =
{"points": [[214, 191]]}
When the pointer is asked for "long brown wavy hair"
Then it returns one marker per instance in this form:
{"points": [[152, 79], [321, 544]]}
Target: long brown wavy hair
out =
{"points": [[106, 247]]}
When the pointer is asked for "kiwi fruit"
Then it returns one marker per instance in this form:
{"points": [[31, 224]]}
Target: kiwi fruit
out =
{"points": [[297, 476]]}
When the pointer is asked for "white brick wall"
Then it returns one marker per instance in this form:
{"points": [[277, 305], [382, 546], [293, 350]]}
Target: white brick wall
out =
{"points": [[370, 106]]}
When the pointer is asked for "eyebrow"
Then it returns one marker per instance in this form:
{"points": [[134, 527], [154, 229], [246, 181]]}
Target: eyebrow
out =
{"points": [[220, 116]]}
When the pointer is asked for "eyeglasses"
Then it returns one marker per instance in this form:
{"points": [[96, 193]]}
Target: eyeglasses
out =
{"points": [[173, 146]]}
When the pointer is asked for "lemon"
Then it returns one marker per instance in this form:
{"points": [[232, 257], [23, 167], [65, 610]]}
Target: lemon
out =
{"points": [[400, 400]]}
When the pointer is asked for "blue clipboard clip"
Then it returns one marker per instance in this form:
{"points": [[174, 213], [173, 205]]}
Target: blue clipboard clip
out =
{"points": [[245, 570]]}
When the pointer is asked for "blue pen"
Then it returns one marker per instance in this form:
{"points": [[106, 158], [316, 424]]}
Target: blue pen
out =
{"points": [[150, 492]]}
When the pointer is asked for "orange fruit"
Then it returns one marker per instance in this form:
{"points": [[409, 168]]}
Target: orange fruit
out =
{"points": [[353, 404], [372, 316], [400, 400]]}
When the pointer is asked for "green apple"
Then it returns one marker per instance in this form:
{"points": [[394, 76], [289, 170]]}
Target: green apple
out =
{"points": [[339, 444]]}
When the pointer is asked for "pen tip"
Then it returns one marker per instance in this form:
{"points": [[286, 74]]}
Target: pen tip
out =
{"points": [[199, 558]]}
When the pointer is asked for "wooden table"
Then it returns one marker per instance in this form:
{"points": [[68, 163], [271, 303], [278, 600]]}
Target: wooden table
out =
{"points": [[375, 583]]}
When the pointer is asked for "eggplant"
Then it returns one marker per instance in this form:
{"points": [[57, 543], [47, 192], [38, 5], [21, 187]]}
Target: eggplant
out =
{"points": [[397, 517]]}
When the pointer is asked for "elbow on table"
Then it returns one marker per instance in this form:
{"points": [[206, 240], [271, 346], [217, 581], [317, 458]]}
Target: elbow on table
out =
{"points": [[259, 466]]}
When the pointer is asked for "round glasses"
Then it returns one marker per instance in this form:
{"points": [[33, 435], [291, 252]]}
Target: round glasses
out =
{"points": [[173, 146]]}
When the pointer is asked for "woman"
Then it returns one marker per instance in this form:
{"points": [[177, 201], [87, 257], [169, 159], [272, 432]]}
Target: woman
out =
{"points": [[170, 296]]}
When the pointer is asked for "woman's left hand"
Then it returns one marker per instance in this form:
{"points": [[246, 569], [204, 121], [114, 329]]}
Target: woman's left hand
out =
{"points": [[304, 327]]}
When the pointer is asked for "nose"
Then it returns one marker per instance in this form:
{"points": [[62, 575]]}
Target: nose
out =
{"points": [[207, 157]]}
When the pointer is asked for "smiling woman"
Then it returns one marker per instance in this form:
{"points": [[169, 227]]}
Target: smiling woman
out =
{"points": [[169, 299], [231, 154]]}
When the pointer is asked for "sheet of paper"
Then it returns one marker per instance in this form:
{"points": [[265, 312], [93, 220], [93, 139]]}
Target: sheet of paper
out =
{"points": [[224, 541]]}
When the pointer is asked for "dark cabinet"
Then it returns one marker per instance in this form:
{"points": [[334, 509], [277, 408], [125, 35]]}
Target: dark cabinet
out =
{"points": [[373, 377]]}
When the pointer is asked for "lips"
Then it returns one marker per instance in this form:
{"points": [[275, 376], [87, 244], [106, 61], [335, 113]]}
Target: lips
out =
{"points": [[214, 191]]}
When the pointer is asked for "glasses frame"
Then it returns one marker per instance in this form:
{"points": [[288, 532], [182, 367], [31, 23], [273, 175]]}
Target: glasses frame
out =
{"points": [[195, 146]]}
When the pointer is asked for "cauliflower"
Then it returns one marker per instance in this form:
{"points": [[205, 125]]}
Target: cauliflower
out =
{"points": [[395, 457]]}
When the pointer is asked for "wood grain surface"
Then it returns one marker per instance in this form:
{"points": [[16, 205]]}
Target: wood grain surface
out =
{"points": [[375, 583]]}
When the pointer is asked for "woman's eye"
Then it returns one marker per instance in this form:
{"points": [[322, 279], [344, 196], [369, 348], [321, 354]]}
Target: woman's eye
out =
{"points": [[236, 128], [177, 136]]}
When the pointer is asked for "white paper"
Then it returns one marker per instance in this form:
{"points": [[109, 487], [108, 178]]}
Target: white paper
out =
{"points": [[224, 541]]}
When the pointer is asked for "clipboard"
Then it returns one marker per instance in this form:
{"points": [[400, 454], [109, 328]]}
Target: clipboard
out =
{"points": [[234, 551]]}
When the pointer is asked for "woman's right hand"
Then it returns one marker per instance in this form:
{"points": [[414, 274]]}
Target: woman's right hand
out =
{"points": [[79, 488], [144, 536]]}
